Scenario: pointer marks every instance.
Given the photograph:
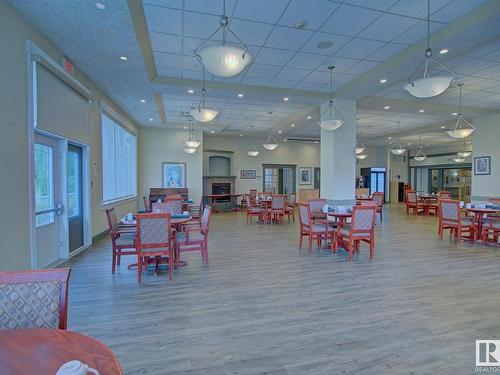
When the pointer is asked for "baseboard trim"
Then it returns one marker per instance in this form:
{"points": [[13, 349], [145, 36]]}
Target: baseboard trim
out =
{"points": [[101, 235]]}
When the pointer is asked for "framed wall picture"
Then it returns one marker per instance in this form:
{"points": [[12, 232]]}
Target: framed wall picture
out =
{"points": [[174, 175], [248, 174], [305, 175], [482, 165]]}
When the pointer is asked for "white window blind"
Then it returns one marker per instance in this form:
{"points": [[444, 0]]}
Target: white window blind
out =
{"points": [[119, 161]]}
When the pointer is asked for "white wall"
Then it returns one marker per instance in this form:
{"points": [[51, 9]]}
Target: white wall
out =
{"points": [[163, 145], [300, 154], [14, 196], [486, 142], [377, 158]]}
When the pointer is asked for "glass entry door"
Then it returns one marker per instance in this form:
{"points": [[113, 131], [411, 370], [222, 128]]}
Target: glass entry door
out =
{"points": [[377, 181], [279, 179], [75, 196]]}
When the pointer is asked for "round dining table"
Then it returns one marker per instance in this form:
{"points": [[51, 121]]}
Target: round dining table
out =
{"points": [[341, 217], [479, 214], [44, 351]]}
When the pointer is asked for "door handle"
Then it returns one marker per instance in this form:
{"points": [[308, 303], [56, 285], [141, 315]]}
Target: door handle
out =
{"points": [[59, 209]]}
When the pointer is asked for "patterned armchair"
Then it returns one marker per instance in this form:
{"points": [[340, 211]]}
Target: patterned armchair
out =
{"points": [[253, 210], [378, 199], [153, 240], [278, 206], [316, 205], [362, 228], [34, 299], [195, 237], [290, 206], [318, 229], [450, 218], [122, 238], [173, 206], [413, 203]]}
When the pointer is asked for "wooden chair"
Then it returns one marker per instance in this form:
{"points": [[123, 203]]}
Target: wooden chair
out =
{"points": [[278, 207], [290, 206], [173, 206], [34, 299], [450, 218], [444, 194], [153, 240], [253, 194], [173, 197], [147, 204], [314, 229], [413, 203], [378, 199], [362, 228], [491, 231], [122, 239], [194, 237], [316, 205], [253, 210], [195, 212]]}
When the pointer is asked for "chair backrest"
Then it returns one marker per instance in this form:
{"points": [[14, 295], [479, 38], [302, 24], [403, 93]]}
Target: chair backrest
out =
{"points": [[147, 203], [170, 206], [495, 200], [112, 219], [316, 204], [449, 210], [34, 299], [249, 200], [278, 202], [171, 197], [363, 218], [444, 195], [293, 199], [304, 214], [153, 230], [253, 193], [205, 218], [411, 196], [378, 198]]}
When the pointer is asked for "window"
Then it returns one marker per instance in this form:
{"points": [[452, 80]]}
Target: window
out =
{"points": [[44, 186], [119, 163]]}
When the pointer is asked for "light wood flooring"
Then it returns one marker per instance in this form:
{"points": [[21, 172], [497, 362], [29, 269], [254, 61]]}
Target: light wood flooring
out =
{"points": [[262, 306]]}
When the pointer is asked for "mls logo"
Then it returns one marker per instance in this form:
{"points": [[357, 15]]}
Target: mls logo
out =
{"points": [[487, 352]]}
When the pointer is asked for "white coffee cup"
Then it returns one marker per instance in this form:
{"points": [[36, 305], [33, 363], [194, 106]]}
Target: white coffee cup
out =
{"points": [[76, 368], [130, 217], [468, 205]]}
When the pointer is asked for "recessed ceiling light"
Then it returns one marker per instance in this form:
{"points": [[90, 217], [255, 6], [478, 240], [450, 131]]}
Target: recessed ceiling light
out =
{"points": [[285, 140], [292, 125], [316, 142], [191, 91], [409, 143], [443, 51], [240, 95], [387, 107], [469, 142], [185, 127], [279, 132], [383, 80], [454, 113], [309, 117], [151, 119], [123, 58], [421, 110], [300, 24], [427, 144], [285, 99], [389, 138], [443, 127], [324, 45], [100, 6], [212, 131], [143, 100]]}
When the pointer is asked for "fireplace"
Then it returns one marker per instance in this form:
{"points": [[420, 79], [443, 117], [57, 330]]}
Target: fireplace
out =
{"points": [[221, 188]]}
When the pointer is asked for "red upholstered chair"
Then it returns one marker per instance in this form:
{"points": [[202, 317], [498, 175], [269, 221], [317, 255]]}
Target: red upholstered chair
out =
{"points": [[173, 206], [278, 207], [153, 240], [194, 237], [444, 194], [413, 203], [290, 206], [314, 229], [450, 218], [147, 204], [491, 230], [34, 299], [361, 228], [253, 210], [378, 199], [195, 212], [122, 238], [253, 194], [316, 205]]}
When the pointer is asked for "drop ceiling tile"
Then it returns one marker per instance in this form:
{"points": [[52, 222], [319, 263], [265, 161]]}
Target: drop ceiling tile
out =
{"points": [[168, 60], [387, 27], [262, 71], [192, 74], [362, 67], [288, 38], [281, 83], [163, 19], [306, 61], [315, 12], [317, 77], [387, 51], [341, 64], [456, 9], [251, 32], [166, 43], [418, 8], [417, 33], [342, 21], [374, 4], [495, 56], [338, 41], [165, 3], [292, 74], [200, 25], [359, 48], [211, 7], [274, 56], [474, 66], [169, 72], [260, 10], [308, 86]]}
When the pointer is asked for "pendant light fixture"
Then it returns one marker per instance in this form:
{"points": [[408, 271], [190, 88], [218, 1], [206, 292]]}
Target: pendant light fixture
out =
{"points": [[420, 156], [271, 142], [204, 112], [252, 151], [223, 60], [360, 147], [361, 156], [458, 159], [464, 153], [462, 128], [397, 148], [192, 142], [331, 119], [189, 150], [429, 86]]}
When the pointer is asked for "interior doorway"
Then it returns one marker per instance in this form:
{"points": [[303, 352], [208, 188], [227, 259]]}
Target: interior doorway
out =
{"points": [[279, 179]]}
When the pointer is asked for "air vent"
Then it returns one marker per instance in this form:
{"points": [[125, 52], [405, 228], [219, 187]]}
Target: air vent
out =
{"points": [[299, 139]]}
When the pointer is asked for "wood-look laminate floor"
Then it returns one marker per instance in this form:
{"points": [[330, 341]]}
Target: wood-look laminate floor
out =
{"points": [[262, 306]]}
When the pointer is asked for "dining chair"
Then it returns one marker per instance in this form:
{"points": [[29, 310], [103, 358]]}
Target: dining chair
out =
{"points": [[34, 299], [253, 194], [290, 206], [413, 203], [378, 199], [316, 205], [450, 218], [173, 206], [153, 240], [194, 237], [278, 206], [195, 210], [171, 197], [313, 229], [147, 204], [122, 239], [491, 231], [254, 210], [444, 194], [361, 229]]}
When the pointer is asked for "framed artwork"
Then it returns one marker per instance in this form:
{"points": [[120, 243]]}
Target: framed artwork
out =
{"points": [[305, 175], [174, 175], [248, 174], [482, 165]]}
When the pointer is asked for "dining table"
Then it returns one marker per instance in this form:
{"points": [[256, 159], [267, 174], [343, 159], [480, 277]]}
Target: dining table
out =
{"points": [[479, 214], [45, 350], [427, 201], [339, 217]]}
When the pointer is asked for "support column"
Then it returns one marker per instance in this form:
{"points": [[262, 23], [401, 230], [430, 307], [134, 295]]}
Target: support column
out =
{"points": [[338, 160]]}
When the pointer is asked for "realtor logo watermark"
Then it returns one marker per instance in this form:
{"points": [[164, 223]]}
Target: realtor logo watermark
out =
{"points": [[487, 356]]}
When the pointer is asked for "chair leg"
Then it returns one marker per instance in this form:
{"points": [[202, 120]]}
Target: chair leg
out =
{"points": [[372, 247], [351, 249], [170, 263], [118, 259], [113, 264], [139, 269], [300, 240], [310, 244]]}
